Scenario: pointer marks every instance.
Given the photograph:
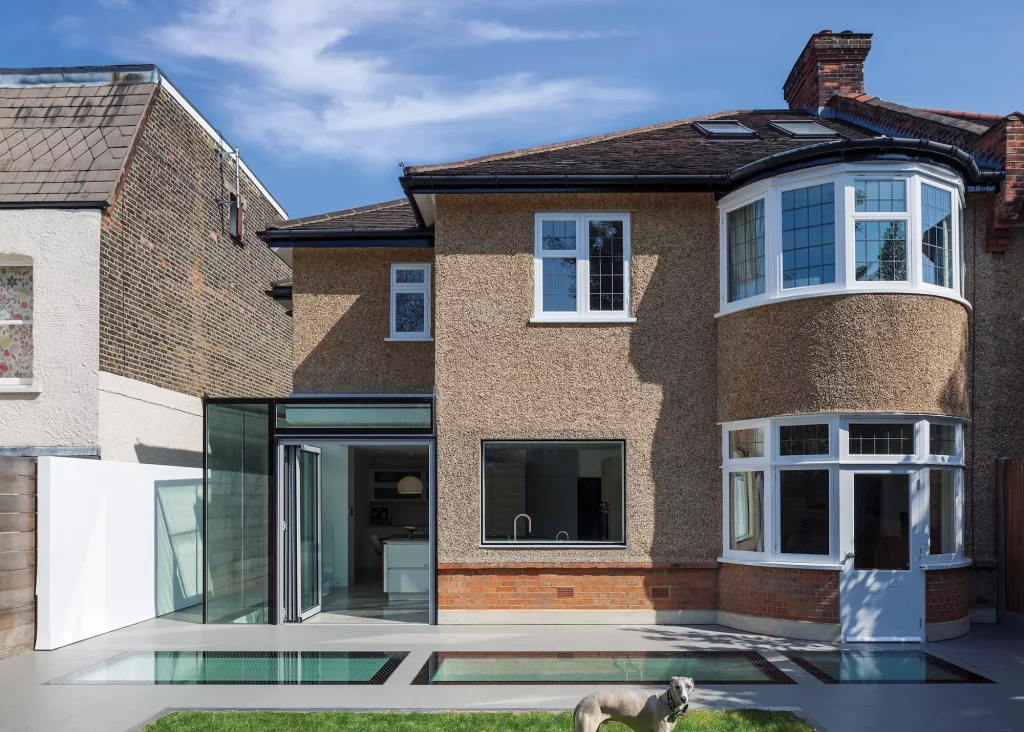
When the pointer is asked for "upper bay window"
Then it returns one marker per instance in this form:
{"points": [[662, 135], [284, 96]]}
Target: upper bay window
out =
{"points": [[869, 227], [581, 267]]}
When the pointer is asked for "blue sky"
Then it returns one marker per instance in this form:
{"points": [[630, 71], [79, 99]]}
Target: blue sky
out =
{"points": [[326, 97]]}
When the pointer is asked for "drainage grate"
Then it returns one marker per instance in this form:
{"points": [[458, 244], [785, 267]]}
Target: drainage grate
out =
{"points": [[883, 667], [565, 592], [241, 667], [708, 668]]}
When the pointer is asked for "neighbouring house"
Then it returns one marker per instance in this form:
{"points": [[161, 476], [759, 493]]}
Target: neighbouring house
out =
{"points": [[132, 284], [755, 368]]}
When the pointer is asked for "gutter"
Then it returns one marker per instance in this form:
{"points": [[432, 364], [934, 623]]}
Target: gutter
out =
{"points": [[713, 182], [348, 237], [30, 203]]}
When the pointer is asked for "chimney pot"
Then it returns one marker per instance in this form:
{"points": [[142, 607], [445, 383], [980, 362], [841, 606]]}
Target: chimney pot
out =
{"points": [[827, 65]]}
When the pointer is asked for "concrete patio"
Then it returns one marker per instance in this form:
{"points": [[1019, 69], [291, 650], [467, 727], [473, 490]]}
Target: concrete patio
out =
{"points": [[28, 704]]}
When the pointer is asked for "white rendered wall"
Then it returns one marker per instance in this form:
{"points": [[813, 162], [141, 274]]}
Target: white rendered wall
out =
{"points": [[142, 423], [65, 249], [118, 543]]}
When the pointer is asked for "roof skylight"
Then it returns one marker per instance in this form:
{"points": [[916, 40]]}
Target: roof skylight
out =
{"points": [[724, 129], [802, 128]]}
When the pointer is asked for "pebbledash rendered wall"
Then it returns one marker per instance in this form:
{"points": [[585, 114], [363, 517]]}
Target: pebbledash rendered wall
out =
{"points": [[651, 383]]}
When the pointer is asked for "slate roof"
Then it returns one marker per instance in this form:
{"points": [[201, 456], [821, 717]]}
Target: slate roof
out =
{"points": [[673, 148], [66, 144], [395, 217]]}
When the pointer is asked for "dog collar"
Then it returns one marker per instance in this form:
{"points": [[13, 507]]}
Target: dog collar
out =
{"points": [[677, 713]]}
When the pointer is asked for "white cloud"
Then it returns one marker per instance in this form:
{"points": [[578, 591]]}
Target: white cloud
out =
{"points": [[489, 30], [329, 77]]}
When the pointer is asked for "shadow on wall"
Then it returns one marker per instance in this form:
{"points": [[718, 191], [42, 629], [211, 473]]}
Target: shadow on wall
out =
{"points": [[674, 344], [153, 455], [178, 513], [342, 306]]}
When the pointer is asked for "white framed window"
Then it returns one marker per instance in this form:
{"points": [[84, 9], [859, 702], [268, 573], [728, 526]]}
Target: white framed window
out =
{"points": [[581, 267], [857, 227], [781, 477], [17, 347], [410, 302]]}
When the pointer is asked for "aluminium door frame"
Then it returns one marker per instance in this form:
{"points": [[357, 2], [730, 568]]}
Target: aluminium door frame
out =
{"points": [[847, 474], [292, 540], [284, 441]]}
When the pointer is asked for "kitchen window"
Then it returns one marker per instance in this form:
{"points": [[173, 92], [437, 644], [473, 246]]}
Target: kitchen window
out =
{"points": [[554, 492], [17, 349], [410, 302], [581, 268]]}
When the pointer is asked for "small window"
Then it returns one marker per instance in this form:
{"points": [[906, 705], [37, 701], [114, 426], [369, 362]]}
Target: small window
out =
{"points": [[804, 439], [942, 526], [746, 251], [872, 196], [746, 511], [16, 306], [548, 492], [881, 439], [936, 236], [582, 266], [748, 443], [809, 236], [942, 439], [804, 512], [881, 251], [802, 128], [724, 129], [410, 301]]}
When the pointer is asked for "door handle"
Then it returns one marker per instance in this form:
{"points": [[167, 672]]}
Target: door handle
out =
{"points": [[849, 555]]}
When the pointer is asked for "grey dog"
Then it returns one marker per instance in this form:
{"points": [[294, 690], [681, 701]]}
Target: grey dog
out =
{"points": [[641, 712]]}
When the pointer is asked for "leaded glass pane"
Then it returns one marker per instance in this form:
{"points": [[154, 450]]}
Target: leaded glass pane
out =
{"points": [[746, 251], [559, 293], [410, 312], [936, 236], [809, 236], [558, 236], [606, 266], [746, 443], [881, 439], [881, 251], [16, 351], [803, 439], [409, 276], [16, 293], [941, 439], [880, 195]]}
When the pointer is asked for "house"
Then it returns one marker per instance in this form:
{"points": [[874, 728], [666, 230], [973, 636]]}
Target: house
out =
{"points": [[753, 368], [132, 285]]}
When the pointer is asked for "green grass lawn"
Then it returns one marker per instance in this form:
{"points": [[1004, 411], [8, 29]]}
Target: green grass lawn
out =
{"points": [[744, 720]]}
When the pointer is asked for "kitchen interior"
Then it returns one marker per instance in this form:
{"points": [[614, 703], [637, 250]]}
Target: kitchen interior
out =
{"points": [[375, 541]]}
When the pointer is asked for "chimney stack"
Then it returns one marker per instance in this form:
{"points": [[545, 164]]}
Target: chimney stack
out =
{"points": [[830, 63]]}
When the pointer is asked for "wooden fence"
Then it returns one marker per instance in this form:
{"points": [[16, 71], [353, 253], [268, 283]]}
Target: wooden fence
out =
{"points": [[1013, 528]]}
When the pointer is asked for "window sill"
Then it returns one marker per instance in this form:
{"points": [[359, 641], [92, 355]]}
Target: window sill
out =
{"points": [[408, 340], [781, 565], [955, 564], [899, 289], [19, 389], [621, 320], [551, 545]]}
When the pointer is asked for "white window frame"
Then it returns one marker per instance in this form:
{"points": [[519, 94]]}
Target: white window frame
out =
{"points": [[958, 517], [421, 287], [581, 254], [843, 177], [12, 384], [838, 462]]}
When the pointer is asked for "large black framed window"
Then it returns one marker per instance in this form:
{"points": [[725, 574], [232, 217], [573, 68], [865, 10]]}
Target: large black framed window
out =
{"points": [[552, 491]]}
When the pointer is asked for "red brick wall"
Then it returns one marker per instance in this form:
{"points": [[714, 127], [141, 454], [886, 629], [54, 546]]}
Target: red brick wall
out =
{"points": [[829, 63], [577, 586], [947, 595], [779, 592]]}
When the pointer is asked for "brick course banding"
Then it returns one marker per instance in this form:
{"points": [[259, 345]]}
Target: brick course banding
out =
{"points": [[947, 595], [780, 593], [586, 586]]}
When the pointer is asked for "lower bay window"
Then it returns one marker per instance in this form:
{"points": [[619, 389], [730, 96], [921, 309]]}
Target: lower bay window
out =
{"points": [[781, 481], [553, 492]]}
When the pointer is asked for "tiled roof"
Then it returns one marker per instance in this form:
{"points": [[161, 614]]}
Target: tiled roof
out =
{"points": [[674, 148], [67, 144], [389, 216]]}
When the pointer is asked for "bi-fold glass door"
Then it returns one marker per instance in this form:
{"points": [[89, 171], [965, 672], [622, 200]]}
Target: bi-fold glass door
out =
{"points": [[302, 540]]}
